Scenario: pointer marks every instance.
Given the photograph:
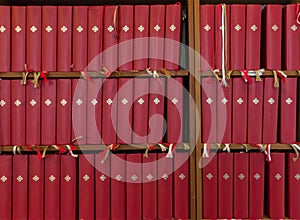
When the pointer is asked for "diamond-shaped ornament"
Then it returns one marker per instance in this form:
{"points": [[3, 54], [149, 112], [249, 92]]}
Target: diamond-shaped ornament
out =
{"points": [[110, 28], [33, 29], [224, 101], [79, 29], [294, 28], [63, 29], [18, 29], [255, 101], [102, 178], [165, 176], [207, 27], [94, 102], [156, 27], [2, 103], [109, 101], [18, 102], [125, 28], [278, 176], [271, 101], [174, 101], [141, 28], [134, 177], [256, 176], [226, 176], [2, 29], [3, 179], [149, 177], [118, 177], [209, 176], [79, 102], [156, 101], [182, 176], [63, 102], [124, 101], [237, 27], [289, 101], [48, 29], [35, 178], [240, 101], [297, 176], [241, 176], [95, 29], [19, 178], [52, 178], [254, 27], [275, 27], [48, 102], [86, 177], [32, 102], [67, 178], [172, 27], [209, 100], [141, 101]]}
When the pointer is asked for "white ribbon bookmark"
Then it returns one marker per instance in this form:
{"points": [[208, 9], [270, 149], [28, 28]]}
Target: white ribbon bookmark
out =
{"points": [[205, 151], [162, 147], [227, 148], [71, 152], [170, 154]]}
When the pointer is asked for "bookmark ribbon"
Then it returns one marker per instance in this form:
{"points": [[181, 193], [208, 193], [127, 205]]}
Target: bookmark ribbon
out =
{"points": [[206, 150]]}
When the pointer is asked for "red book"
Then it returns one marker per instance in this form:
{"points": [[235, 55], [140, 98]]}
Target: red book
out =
{"points": [[36, 188], [175, 109], [5, 115], [239, 111], [79, 95], [270, 105], [63, 109], [118, 186], [52, 186], [141, 34], [140, 109], [207, 37], [210, 187], [288, 111], [253, 36], [48, 112], [18, 104], [6, 186], [125, 101], [68, 183], [224, 113], [134, 186], [149, 171], [291, 31], [157, 33], [255, 112], [209, 107], [94, 107], [49, 37], [33, 108], [19, 185], [225, 185], [125, 37], [172, 35], [164, 187], [256, 185], [102, 187], [86, 186], [276, 186], [293, 187], [110, 38], [237, 37], [218, 36], [95, 37], [241, 187], [156, 110], [109, 111], [80, 26], [181, 185], [5, 38], [18, 38], [273, 31], [33, 38], [64, 38]]}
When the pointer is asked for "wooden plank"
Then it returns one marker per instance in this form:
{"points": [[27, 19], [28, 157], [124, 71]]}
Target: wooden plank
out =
{"points": [[235, 73]]}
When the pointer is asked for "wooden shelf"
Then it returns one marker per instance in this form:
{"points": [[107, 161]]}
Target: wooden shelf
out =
{"points": [[235, 73], [13, 75], [100, 147], [241, 147]]}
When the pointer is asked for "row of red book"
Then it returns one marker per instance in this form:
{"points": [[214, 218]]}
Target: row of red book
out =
{"points": [[125, 186], [237, 185], [256, 37], [78, 38], [99, 111], [251, 113]]}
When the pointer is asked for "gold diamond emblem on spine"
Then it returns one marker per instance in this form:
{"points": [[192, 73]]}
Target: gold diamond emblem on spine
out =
{"points": [[275, 27], [294, 28], [156, 101], [149, 177], [86, 177], [95, 29], [254, 27], [18, 102], [3, 179], [118, 177], [209, 176], [240, 101], [172, 27], [79, 102], [102, 178], [141, 101], [297, 176], [237, 27], [19, 178], [271, 101], [226, 176], [79, 29], [224, 101], [134, 177], [125, 28], [209, 101], [48, 29], [165, 176], [2, 29], [124, 101], [67, 178], [207, 27], [256, 176], [109, 101], [63, 102], [110, 28], [52, 178], [64, 29], [48, 102], [94, 102], [156, 28], [2, 103], [255, 101], [33, 29], [18, 29], [174, 101], [32, 102], [289, 101], [35, 178], [241, 176], [141, 28], [278, 176], [182, 176]]}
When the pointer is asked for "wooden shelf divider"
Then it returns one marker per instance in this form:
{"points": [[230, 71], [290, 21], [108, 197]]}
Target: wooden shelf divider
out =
{"points": [[241, 147], [235, 73]]}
